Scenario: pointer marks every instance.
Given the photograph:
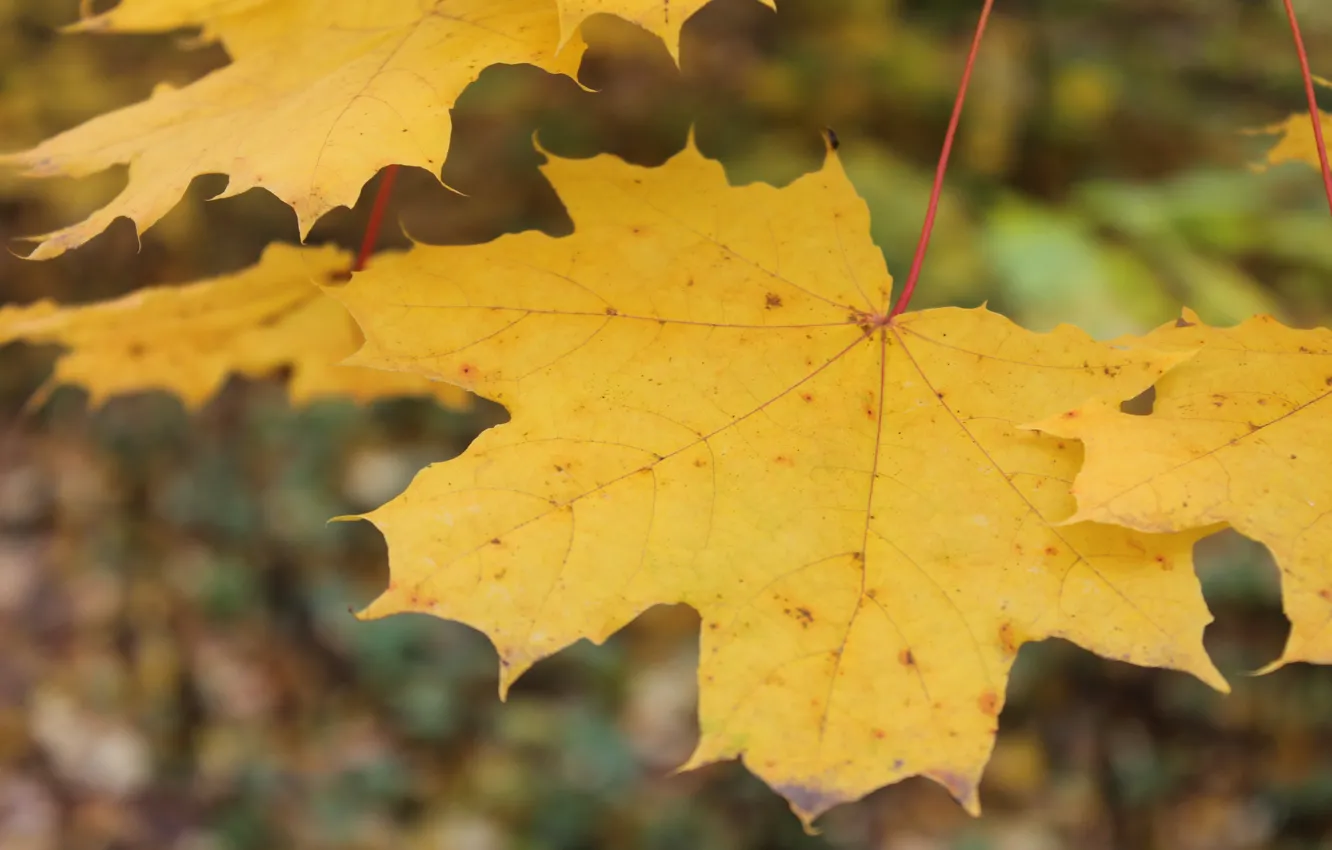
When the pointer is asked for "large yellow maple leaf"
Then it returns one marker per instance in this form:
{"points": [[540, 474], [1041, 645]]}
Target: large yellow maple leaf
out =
{"points": [[709, 407], [1238, 434], [319, 95], [188, 339]]}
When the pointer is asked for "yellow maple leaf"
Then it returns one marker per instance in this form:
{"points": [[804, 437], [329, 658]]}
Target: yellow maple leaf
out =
{"points": [[708, 407], [187, 339], [1237, 435], [1297, 142], [662, 18], [320, 95]]}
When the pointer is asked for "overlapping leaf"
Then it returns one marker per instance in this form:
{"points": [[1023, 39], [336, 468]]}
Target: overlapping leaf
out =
{"points": [[320, 94], [708, 407], [187, 340], [1239, 433]]}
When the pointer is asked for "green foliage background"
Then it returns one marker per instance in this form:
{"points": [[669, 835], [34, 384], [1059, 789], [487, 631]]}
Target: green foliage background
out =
{"points": [[179, 667]]}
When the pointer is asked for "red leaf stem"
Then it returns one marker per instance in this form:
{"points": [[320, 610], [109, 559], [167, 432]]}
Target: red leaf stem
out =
{"points": [[376, 218], [1312, 95], [919, 260]]}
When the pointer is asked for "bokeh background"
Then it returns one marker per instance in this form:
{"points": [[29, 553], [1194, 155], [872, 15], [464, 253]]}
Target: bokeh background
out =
{"points": [[178, 664]]}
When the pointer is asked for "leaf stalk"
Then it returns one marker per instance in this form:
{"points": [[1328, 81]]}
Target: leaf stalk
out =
{"points": [[928, 227], [1312, 96]]}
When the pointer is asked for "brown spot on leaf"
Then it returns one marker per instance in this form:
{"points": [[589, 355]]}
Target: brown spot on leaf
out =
{"points": [[700, 462], [1326, 594], [803, 615], [611, 311], [989, 703], [878, 734], [783, 460], [1164, 562], [771, 301], [807, 396], [1051, 551], [906, 659], [1008, 638], [494, 541]]}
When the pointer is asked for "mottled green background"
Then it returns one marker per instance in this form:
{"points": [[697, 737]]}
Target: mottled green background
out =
{"points": [[178, 665]]}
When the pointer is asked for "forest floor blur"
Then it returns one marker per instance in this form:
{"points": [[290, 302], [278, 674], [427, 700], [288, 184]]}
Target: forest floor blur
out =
{"points": [[180, 667]]}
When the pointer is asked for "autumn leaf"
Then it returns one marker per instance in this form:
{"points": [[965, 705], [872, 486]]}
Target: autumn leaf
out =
{"points": [[1297, 142], [662, 18], [319, 96], [1238, 434], [186, 340], [709, 407]]}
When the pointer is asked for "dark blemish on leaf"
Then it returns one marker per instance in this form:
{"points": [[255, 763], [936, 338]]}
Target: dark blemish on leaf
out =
{"points": [[467, 370], [1164, 562], [1008, 639], [897, 764], [611, 311], [989, 703], [869, 412], [1059, 445], [858, 556], [872, 593], [1253, 427], [807, 396], [1017, 547], [712, 627], [783, 460], [494, 541], [771, 301], [700, 463], [499, 576], [906, 659], [1292, 457], [1325, 594], [878, 734], [804, 616], [1051, 551]]}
